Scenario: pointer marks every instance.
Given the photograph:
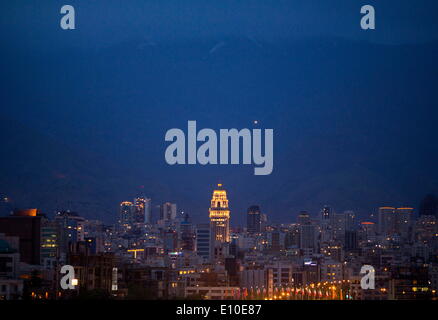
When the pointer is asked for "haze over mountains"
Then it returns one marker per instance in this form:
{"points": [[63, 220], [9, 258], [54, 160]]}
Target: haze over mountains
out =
{"points": [[354, 124]]}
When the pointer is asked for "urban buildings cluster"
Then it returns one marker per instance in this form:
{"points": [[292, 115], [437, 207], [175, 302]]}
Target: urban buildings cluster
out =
{"points": [[315, 256]]}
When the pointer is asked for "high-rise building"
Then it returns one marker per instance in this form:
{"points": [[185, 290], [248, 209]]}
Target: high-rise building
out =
{"points": [[327, 223], [426, 228], [139, 210], [340, 224], [395, 221], [350, 220], [276, 240], [386, 220], [26, 225], [307, 236], [187, 234], [254, 219], [263, 222], [303, 218], [97, 230], [326, 215], [11, 287], [203, 241], [350, 240], [220, 216], [71, 229], [142, 210], [367, 231], [168, 211], [49, 240], [404, 222], [9, 257], [148, 211], [126, 215], [338, 227], [292, 237], [170, 240], [136, 212]]}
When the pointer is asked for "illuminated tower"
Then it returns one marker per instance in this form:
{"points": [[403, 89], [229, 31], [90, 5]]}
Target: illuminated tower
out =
{"points": [[126, 216], [220, 216], [140, 206], [142, 210]]}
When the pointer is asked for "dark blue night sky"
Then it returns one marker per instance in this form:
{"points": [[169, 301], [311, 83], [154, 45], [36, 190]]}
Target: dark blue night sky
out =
{"points": [[84, 112]]}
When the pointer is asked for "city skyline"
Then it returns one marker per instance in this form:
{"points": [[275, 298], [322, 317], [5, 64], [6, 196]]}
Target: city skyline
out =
{"points": [[312, 258], [153, 210]]}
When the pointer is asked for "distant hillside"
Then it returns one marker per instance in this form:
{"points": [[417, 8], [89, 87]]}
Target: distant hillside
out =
{"points": [[39, 171], [354, 123]]}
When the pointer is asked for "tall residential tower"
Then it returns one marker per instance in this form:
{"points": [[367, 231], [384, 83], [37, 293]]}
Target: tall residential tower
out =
{"points": [[220, 216]]}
